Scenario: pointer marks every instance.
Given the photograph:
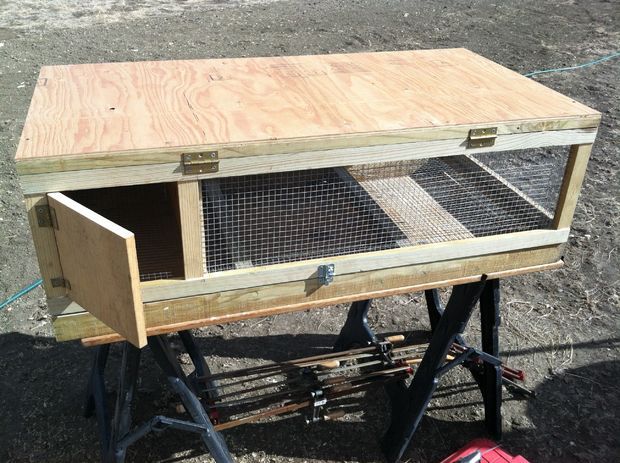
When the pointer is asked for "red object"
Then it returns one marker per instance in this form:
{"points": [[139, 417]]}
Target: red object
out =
{"points": [[490, 454], [511, 373]]}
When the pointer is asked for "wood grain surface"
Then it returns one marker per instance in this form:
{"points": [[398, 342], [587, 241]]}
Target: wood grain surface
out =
{"points": [[412, 209], [45, 247], [423, 254], [571, 186], [75, 179], [167, 106], [192, 228], [99, 260], [262, 301]]}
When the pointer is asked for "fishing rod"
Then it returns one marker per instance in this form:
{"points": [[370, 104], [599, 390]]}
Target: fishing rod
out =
{"points": [[311, 382], [317, 405], [303, 362], [330, 382], [326, 368]]}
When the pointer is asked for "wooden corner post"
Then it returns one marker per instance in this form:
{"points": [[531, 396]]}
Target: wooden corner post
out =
{"points": [[571, 185], [190, 215]]}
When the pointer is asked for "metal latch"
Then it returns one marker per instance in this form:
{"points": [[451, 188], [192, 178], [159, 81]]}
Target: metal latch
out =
{"points": [[204, 162], [481, 138], [46, 216], [60, 282], [326, 274]]}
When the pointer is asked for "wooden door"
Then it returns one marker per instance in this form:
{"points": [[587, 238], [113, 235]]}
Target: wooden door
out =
{"points": [[100, 267]]}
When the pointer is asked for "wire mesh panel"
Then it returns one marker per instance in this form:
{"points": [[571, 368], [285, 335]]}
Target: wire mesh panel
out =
{"points": [[148, 211], [294, 216]]}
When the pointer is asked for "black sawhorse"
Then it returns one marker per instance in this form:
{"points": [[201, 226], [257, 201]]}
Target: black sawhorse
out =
{"points": [[408, 403], [117, 435]]}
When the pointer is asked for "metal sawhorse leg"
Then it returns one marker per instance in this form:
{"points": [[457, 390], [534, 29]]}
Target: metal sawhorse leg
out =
{"points": [[410, 403], [116, 435], [487, 375], [355, 331]]}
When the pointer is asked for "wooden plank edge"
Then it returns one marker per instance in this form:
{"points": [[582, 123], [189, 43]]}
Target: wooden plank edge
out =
{"points": [[189, 201], [44, 241], [176, 310], [283, 162], [355, 263], [574, 175], [98, 160], [110, 338]]}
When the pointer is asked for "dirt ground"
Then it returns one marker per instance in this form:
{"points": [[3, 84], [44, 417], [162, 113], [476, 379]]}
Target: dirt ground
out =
{"points": [[562, 327]]}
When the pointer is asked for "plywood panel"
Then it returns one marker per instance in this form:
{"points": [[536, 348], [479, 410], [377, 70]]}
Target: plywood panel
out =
{"points": [[168, 105], [99, 262]]}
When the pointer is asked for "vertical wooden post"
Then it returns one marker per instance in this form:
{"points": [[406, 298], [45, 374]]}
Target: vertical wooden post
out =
{"points": [[571, 185], [190, 214], [45, 246]]}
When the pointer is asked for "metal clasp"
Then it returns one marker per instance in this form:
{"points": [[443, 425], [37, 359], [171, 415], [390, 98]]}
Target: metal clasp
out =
{"points": [[326, 274]]}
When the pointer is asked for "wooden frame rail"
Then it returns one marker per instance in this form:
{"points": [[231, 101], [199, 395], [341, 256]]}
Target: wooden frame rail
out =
{"points": [[72, 322], [234, 166], [354, 263], [63, 324]]}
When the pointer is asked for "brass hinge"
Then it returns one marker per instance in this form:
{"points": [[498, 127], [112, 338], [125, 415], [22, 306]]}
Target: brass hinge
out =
{"points": [[60, 282], [481, 138], [204, 162], [46, 216]]}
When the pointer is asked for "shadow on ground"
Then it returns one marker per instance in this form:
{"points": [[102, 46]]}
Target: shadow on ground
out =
{"points": [[579, 409], [47, 380]]}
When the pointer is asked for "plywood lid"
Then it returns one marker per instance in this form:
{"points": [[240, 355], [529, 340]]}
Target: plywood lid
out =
{"points": [[149, 112]]}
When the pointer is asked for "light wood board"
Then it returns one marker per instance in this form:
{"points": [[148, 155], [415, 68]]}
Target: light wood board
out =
{"points": [[234, 166], [100, 263], [190, 215], [267, 300], [412, 209], [99, 111], [354, 263], [571, 186], [45, 247]]}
